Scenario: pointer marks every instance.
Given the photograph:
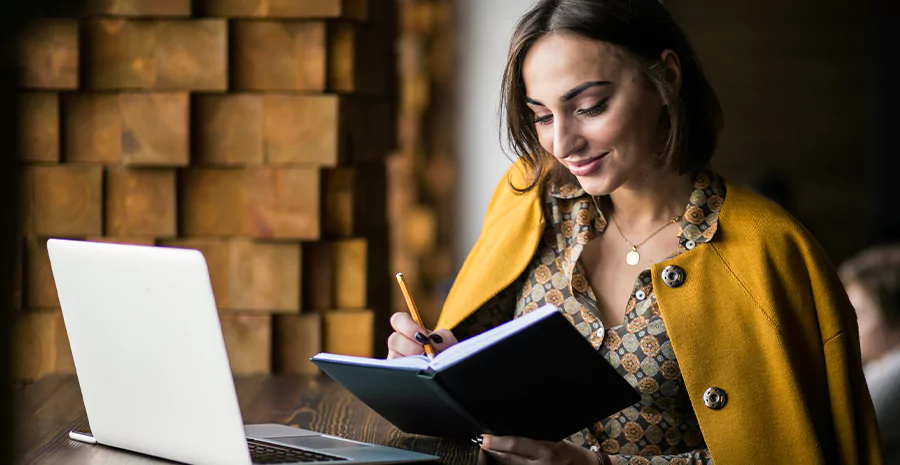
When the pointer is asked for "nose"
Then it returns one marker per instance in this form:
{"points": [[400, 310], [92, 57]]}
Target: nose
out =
{"points": [[567, 139]]}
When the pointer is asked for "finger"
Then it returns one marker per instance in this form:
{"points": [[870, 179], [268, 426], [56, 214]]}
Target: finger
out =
{"points": [[404, 324], [404, 346], [392, 355], [442, 339], [515, 445], [507, 458]]}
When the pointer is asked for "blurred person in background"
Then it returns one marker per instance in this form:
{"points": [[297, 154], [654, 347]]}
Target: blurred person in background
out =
{"points": [[872, 279], [720, 309]]}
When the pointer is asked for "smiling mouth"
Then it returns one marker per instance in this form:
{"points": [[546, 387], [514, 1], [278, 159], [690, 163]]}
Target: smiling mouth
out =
{"points": [[581, 163]]}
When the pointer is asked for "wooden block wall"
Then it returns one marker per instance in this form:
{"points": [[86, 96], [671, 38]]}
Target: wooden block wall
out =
{"points": [[279, 55], [140, 8], [348, 9], [155, 54], [250, 276], [226, 126], [140, 202], [40, 345], [258, 202], [349, 332], [421, 174], [136, 129], [39, 117], [243, 129], [48, 54], [297, 339]]}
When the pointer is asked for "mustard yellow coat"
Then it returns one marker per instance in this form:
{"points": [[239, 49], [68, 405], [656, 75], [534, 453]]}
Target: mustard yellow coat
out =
{"points": [[761, 315]]}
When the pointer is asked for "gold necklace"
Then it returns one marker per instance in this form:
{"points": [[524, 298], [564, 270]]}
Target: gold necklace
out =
{"points": [[633, 257]]}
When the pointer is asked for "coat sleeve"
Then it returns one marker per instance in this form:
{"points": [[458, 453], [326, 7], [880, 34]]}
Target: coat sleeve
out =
{"points": [[856, 429], [856, 433]]}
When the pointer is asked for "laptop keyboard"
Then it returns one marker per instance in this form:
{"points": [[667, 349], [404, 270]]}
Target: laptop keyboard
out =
{"points": [[265, 452]]}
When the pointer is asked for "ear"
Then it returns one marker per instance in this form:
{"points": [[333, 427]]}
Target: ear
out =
{"points": [[672, 63]]}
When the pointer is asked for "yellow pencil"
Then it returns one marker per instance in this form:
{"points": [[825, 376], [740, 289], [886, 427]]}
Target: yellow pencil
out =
{"points": [[413, 311]]}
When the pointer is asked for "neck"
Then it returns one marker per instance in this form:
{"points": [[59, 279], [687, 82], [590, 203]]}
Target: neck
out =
{"points": [[651, 200]]}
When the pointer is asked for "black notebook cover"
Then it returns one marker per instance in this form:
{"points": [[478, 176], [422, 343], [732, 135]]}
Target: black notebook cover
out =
{"points": [[544, 381]]}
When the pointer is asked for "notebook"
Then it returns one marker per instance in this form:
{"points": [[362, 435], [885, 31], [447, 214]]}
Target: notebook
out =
{"points": [[535, 376]]}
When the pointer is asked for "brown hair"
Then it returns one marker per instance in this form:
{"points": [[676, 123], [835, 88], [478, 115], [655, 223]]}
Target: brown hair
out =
{"points": [[641, 28], [877, 271]]}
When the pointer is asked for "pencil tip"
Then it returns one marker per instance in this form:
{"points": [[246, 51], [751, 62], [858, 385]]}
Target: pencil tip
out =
{"points": [[399, 275]]}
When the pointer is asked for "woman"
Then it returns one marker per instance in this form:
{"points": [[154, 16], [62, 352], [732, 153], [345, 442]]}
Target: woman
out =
{"points": [[872, 280], [725, 315]]}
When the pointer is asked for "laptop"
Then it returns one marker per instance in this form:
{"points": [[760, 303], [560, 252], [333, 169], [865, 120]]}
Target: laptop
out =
{"points": [[151, 362]]}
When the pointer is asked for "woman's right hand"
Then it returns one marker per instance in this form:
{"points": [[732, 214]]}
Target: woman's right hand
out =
{"points": [[408, 337]]}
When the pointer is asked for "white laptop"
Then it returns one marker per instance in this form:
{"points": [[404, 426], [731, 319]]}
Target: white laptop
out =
{"points": [[152, 366]]}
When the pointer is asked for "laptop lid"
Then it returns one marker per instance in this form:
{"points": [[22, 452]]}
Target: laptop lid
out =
{"points": [[148, 349]]}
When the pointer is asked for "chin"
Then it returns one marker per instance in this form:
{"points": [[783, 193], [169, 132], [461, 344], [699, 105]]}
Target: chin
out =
{"points": [[598, 184]]}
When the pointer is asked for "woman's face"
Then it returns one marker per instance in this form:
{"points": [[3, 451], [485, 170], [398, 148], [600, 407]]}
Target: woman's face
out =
{"points": [[593, 110]]}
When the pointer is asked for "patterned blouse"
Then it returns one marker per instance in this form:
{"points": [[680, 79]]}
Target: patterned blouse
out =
{"points": [[661, 428]]}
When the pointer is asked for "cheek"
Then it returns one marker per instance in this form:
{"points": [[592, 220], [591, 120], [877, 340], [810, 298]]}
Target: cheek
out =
{"points": [[545, 137], [609, 132], [625, 126]]}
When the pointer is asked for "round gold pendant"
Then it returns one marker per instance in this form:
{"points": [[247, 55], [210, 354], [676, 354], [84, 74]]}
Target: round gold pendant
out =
{"points": [[632, 258]]}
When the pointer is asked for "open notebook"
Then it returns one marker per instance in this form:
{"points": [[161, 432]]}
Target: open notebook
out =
{"points": [[516, 379], [452, 355]]}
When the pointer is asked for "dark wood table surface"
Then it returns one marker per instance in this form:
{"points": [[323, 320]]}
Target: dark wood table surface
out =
{"points": [[48, 409]]}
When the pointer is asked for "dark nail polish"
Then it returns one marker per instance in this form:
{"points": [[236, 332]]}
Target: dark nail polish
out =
{"points": [[436, 338], [478, 440], [421, 338]]}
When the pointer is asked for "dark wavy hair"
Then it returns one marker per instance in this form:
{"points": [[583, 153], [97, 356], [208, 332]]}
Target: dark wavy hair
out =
{"points": [[642, 29]]}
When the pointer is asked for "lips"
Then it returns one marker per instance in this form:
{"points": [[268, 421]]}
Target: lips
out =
{"points": [[586, 167]]}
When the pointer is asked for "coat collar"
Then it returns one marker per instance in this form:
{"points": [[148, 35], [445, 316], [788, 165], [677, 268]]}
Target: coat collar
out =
{"points": [[513, 228]]}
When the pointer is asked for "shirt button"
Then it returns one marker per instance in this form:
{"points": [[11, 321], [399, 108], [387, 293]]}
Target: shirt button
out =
{"points": [[673, 276], [639, 295], [690, 245], [715, 398]]}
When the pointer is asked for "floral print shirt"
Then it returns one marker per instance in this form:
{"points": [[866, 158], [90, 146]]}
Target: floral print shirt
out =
{"points": [[661, 428]]}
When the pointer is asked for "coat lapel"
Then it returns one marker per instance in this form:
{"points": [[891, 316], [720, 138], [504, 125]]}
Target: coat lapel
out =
{"points": [[509, 238]]}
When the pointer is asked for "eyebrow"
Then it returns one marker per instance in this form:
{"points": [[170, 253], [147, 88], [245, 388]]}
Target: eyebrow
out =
{"points": [[572, 93]]}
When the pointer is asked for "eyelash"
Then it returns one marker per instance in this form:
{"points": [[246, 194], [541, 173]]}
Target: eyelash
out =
{"points": [[589, 112]]}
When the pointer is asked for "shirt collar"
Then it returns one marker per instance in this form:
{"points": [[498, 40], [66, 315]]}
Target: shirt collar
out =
{"points": [[566, 190], [700, 220]]}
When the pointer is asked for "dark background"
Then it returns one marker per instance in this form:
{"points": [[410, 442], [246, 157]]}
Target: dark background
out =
{"points": [[809, 93]]}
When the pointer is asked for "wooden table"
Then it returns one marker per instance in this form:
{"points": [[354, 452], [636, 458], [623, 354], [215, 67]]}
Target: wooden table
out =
{"points": [[48, 409]]}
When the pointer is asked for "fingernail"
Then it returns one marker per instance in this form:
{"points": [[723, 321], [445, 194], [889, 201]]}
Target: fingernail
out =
{"points": [[436, 338], [421, 338]]}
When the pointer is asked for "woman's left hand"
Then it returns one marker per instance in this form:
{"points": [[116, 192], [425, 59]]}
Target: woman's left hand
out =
{"points": [[513, 450]]}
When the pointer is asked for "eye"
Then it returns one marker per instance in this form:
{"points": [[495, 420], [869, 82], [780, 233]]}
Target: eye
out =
{"points": [[594, 110], [543, 120]]}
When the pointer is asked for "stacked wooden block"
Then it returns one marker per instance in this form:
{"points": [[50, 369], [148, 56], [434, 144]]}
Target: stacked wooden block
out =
{"points": [[255, 131], [422, 173]]}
